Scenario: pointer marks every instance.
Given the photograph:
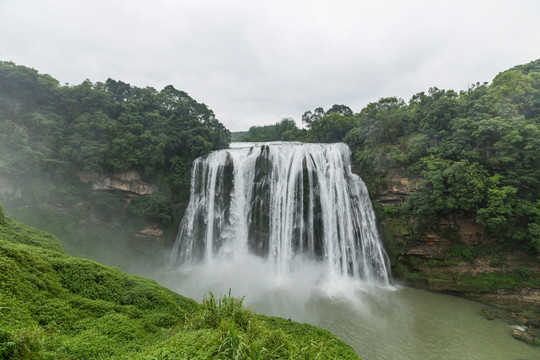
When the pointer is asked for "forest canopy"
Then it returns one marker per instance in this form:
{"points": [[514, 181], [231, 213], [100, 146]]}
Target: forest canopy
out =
{"points": [[106, 126], [476, 152]]}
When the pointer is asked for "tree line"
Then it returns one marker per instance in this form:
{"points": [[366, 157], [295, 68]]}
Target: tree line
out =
{"points": [[476, 151], [47, 130]]}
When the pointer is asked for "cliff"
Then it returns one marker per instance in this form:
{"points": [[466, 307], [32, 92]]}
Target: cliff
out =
{"points": [[109, 217], [453, 255]]}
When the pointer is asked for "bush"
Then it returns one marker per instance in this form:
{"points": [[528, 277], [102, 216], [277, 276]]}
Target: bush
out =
{"points": [[20, 345], [155, 207]]}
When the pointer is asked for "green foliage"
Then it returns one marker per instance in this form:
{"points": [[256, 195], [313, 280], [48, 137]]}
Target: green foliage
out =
{"points": [[434, 111], [18, 233], [102, 127], [467, 184], [524, 272], [53, 306], [241, 335], [498, 280], [514, 93], [213, 311], [154, 206], [476, 153], [381, 122], [50, 134], [330, 128], [459, 251], [21, 344], [497, 213], [285, 130]]}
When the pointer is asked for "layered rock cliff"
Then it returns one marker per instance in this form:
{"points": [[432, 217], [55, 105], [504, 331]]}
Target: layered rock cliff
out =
{"points": [[453, 255]]}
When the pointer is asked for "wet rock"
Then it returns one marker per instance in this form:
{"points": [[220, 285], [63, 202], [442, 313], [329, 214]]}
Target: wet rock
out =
{"points": [[487, 314], [526, 336]]}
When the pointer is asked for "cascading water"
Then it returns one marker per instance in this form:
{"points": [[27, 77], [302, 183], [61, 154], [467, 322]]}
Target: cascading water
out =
{"points": [[289, 227], [282, 202]]}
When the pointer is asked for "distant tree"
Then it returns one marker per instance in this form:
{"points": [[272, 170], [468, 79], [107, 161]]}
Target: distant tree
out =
{"points": [[309, 116], [340, 109], [330, 128], [272, 132], [435, 110]]}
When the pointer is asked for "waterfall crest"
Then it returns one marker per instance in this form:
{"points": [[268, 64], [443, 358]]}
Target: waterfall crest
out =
{"points": [[282, 202]]}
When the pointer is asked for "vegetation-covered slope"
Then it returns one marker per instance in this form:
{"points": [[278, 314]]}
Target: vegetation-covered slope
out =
{"points": [[103, 127], [474, 153], [53, 306], [52, 134]]}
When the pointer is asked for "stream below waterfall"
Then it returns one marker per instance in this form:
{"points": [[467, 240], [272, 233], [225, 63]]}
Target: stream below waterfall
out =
{"points": [[380, 323]]}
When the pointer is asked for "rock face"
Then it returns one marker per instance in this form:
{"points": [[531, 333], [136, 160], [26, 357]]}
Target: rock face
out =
{"points": [[525, 298], [128, 181], [152, 231], [529, 336], [454, 255], [396, 190], [132, 185]]}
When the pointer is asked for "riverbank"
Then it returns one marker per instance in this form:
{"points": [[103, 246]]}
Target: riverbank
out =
{"points": [[56, 306], [455, 254]]}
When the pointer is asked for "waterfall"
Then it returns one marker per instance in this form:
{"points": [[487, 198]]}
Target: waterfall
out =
{"points": [[283, 202]]}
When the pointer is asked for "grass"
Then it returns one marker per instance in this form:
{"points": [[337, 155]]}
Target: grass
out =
{"points": [[53, 306]]}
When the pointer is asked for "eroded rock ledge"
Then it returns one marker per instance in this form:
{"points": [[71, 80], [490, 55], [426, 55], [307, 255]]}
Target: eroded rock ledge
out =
{"points": [[128, 181]]}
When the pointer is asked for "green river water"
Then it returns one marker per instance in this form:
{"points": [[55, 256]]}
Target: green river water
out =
{"points": [[379, 323]]}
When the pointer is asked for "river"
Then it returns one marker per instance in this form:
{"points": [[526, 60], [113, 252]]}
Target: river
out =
{"points": [[380, 323]]}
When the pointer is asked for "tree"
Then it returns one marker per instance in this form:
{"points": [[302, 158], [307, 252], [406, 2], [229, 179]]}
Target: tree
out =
{"points": [[435, 110], [309, 116], [272, 132], [340, 109], [515, 93], [330, 128]]}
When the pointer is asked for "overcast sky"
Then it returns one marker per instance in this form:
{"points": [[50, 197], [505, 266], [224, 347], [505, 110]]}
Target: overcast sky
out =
{"points": [[256, 61]]}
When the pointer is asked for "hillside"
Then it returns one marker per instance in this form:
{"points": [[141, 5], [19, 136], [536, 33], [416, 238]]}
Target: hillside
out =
{"points": [[100, 165], [454, 179], [55, 306], [453, 175]]}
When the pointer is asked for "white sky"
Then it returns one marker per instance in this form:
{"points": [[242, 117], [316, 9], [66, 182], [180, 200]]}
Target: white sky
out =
{"points": [[256, 61]]}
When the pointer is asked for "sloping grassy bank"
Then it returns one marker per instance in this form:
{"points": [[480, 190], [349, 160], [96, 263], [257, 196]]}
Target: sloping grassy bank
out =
{"points": [[53, 306]]}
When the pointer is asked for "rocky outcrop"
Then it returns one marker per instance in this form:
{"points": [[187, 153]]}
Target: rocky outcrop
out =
{"points": [[395, 188], [434, 245], [455, 255], [528, 335], [128, 181], [153, 232], [524, 298]]}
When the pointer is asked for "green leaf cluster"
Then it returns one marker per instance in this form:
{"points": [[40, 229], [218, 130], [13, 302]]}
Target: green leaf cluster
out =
{"points": [[284, 130], [104, 127], [475, 152]]}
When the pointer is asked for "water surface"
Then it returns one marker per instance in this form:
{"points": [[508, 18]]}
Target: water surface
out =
{"points": [[378, 322]]}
